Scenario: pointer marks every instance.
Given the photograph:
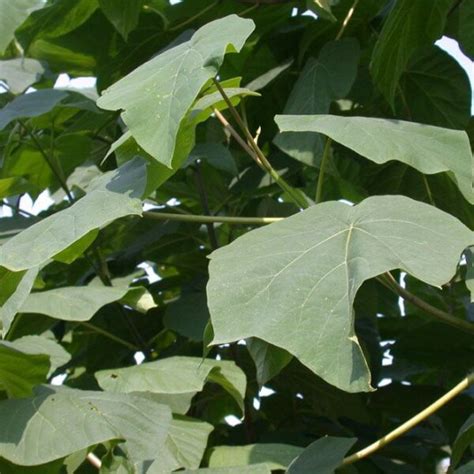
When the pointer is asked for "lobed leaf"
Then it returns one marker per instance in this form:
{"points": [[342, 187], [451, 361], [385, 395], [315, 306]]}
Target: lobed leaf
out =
{"points": [[293, 283]]}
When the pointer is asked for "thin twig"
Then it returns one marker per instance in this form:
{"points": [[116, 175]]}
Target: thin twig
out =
{"points": [[262, 159], [438, 314], [194, 17], [322, 170], [408, 425], [347, 19], [21, 211], [49, 162], [109, 335], [205, 205], [214, 219]]}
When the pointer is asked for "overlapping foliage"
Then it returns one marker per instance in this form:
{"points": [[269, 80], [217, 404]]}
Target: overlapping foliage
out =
{"points": [[288, 347]]}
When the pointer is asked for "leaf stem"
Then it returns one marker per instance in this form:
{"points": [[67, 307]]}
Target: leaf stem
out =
{"points": [[438, 314], [322, 170], [408, 425], [194, 17], [347, 19], [211, 219], [49, 162], [109, 335], [258, 154]]}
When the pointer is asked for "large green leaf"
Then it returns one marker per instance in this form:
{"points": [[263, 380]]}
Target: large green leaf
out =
{"points": [[293, 283], [410, 25], [20, 73], [13, 15], [323, 456], [175, 375], [63, 421], [156, 97], [123, 14], [428, 149], [20, 371], [14, 289], [275, 456], [113, 195], [75, 303], [31, 105], [252, 469], [322, 80]]}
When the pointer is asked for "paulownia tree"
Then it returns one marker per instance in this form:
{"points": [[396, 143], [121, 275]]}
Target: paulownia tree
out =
{"points": [[254, 252]]}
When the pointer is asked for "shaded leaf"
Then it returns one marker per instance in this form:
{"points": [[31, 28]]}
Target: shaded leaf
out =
{"points": [[293, 283], [31, 105], [123, 14], [466, 27], [156, 96], [20, 371], [323, 456], [462, 442], [322, 80], [428, 149], [409, 26]]}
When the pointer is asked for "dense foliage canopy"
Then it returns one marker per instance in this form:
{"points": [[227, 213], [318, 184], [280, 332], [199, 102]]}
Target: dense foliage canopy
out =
{"points": [[253, 251]]}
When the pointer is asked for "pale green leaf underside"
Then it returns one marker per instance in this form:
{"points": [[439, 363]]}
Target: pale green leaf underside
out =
{"points": [[20, 73], [13, 15], [113, 195], [175, 375], [424, 147], [252, 469], [275, 456], [293, 283], [60, 421], [323, 456], [156, 96], [74, 303]]}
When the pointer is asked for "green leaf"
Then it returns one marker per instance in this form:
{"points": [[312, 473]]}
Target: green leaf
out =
{"points": [[466, 27], [175, 375], [31, 105], [293, 283], [13, 15], [465, 468], [123, 14], [462, 442], [12, 186], [156, 96], [469, 279], [14, 289], [322, 8], [428, 149], [187, 441], [63, 421], [263, 80], [253, 469], [74, 303], [323, 456], [113, 195], [20, 73], [436, 90], [58, 356], [269, 360], [275, 456], [20, 371], [322, 80], [410, 26]]}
